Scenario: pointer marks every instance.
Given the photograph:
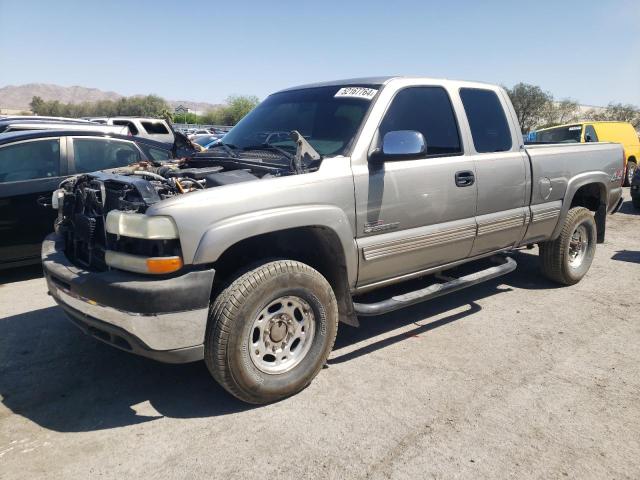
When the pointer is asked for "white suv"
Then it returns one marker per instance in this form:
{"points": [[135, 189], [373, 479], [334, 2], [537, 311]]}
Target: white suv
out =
{"points": [[153, 128]]}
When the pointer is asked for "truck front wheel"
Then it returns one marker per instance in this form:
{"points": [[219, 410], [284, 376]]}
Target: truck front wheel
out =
{"points": [[567, 259], [271, 331]]}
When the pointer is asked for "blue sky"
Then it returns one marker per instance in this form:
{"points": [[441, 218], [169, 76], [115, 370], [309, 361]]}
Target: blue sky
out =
{"points": [[181, 49]]}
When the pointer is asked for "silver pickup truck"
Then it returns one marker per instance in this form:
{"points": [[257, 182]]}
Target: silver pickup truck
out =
{"points": [[248, 255]]}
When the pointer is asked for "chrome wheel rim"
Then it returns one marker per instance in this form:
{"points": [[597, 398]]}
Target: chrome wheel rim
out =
{"points": [[281, 335], [631, 169], [578, 246]]}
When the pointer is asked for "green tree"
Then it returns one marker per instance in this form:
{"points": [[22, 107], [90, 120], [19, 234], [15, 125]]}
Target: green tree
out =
{"points": [[617, 111], [37, 105], [141, 106], [187, 118], [530, 103], [237, 107], [559, 113], [167, 115]]}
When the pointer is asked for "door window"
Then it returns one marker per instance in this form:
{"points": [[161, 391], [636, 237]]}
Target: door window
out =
{"points": [[126, 123], [590, 134], [427, 110], [92, 154], [30, 160], [155, 128], [488, 123], [157, 154]]}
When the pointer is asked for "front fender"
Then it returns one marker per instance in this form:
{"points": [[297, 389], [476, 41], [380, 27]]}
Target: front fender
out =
{"points": [[222, 235]]}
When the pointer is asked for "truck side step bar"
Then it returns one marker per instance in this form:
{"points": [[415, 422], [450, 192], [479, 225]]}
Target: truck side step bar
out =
{"points": [[505, 265]]}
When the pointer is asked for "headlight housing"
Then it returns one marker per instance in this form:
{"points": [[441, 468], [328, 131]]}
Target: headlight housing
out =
{"points": [[135, 263], [139, 225]]}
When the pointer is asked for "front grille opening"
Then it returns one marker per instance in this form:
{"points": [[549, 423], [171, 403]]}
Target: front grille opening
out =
{"points": [[60, 283], [122, 343], [113, 339], [101, 334]]}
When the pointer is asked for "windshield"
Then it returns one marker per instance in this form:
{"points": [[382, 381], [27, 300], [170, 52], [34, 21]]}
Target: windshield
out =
{"points": [[569, 134], [327, 117]]}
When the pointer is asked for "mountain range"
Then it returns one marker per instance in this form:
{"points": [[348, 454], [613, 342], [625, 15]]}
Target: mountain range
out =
{"points": [[18, 97]]}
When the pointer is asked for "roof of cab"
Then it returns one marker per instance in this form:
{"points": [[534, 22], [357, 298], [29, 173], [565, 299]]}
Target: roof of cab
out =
{"points": [[382, 80], [364, 81]]}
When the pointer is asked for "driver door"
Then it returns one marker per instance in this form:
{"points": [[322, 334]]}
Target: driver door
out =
{"points": [[28, 170], [416, 214]]}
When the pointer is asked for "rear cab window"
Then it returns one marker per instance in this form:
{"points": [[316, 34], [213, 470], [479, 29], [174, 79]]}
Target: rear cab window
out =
{"points": [[487, 120], [427, 110], [30, 160]]}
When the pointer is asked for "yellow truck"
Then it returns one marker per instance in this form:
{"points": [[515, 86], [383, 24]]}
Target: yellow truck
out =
{"points": [[580, 132]]}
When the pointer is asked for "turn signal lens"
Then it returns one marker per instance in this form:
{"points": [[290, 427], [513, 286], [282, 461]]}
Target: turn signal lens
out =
{"points": [[164, 264]]}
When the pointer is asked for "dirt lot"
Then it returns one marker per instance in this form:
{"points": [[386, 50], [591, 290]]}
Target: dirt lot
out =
{"points": [[513, 378]]}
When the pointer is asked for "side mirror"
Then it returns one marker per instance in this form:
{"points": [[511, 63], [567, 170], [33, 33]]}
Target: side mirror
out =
{"points": [[401, 145]]}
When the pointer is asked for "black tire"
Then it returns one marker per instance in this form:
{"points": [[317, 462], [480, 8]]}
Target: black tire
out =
{"points": [[556, 261], [231, 324], [628, 174], [636, 202]]}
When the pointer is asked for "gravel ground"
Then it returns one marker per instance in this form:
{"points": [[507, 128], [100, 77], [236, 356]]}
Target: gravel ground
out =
{"points": [[512, 378]]}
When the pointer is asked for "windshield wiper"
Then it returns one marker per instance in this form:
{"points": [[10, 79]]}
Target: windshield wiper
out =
{"points": [[227, 147], [304, 152], [266, 146]]}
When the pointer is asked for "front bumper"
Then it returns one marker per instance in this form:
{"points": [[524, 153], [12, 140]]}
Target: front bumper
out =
{"points": [[160, 318]]}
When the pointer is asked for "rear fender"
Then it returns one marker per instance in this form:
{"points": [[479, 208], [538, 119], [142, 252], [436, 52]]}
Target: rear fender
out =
{"points": [[602, 179]]}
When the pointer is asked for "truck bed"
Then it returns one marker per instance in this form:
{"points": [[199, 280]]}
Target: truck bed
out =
{"points": [[559, 169]]}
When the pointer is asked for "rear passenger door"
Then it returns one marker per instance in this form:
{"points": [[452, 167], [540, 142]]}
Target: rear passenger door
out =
{"points": [[501, 171], [90, 154], [28, 170]]}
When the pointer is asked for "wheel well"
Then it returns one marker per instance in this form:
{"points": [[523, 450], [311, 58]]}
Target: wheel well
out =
{"points": [[589, 196], [594, 197], [318, 247]]}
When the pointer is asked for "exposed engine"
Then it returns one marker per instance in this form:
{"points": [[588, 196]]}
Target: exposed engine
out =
{"points": [[85, 200]]}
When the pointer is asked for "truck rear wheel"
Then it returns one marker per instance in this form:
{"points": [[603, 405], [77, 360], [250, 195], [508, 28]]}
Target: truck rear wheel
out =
{"points": [[567, 258], [271, 331]]}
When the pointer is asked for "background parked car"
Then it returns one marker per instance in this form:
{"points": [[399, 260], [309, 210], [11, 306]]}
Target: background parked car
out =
{"points": [[33, 163], [201, 131], [205, 141], [617, 132], [153, 128], [15, 125], [635, 189]]}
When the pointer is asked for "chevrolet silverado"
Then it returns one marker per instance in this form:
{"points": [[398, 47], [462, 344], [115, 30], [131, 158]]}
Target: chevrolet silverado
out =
{"points": [[250, 254]]}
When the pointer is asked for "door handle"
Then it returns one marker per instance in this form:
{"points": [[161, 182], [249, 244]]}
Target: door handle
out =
{"points": [[465, 178]]}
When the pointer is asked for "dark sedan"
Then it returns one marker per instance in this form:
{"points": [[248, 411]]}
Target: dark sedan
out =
{"points": [[635, 189], [33, 163]]}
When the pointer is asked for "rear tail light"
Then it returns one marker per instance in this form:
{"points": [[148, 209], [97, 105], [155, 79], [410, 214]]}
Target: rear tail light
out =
{"points": [[624, 167]]}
